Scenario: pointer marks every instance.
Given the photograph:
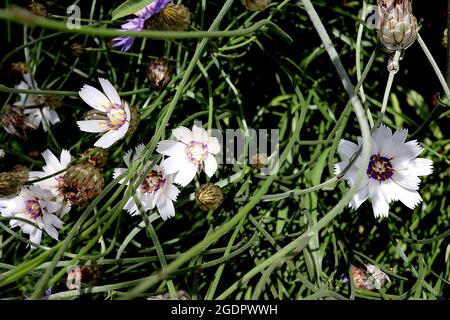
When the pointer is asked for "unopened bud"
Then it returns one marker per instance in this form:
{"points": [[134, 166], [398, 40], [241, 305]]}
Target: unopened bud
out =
{"points": [[98, 157], [38, 9], [209, 197], [159, 72], [9, 184], [255, 5]]}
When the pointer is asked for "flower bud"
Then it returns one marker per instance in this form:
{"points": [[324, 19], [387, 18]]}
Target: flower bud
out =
{"points": [[209, 197], [159, 72], [77, 49], [134, 121], [38, 9], [98, 157], [9, 184], [369, 277], [398, 27], [20, 172], [255, 5], [259, 161], [14, 73], [81, 183], [174, 17], [51, 101], [15, 122]]}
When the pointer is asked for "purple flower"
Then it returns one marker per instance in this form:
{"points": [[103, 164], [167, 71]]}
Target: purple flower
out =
{"points": [[137, 24]]}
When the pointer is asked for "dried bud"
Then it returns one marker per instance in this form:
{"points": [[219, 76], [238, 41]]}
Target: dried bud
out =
{"points": [[77, 275], [77, 49], [209, 197], [259, 160], [38, 9], [98, 157], [14, 74], [398, 27], [255, 5], [15, 122], [9, 184], [81, 183], [174, 17], [369, 277], [159, 72], [51, 101], [181, 295], [21, 173], [134, 120]]}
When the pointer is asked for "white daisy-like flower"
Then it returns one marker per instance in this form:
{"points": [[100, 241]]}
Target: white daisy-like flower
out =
{"points": [[392, 173], [44, 115], [194, 151], [157, 189], [114, 116], [53, 182], [38, 207]]}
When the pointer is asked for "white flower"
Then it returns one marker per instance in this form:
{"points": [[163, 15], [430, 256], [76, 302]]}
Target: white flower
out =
{"points": [[38, 207], [194, 152], [115, 115], [2, 153], [392, 173], [53, 182], [44, 115], [157, 190]]}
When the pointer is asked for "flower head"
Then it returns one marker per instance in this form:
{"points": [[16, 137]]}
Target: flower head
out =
{"points": [[45, 115], [113, 117], [398, 27], [194, 151], [156, 190], [38, 207], [255, 5], [137, 24], [392, 173], [15, 122]]}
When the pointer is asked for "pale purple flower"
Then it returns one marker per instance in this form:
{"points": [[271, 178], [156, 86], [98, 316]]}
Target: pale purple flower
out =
{"points": [[137, 24]]}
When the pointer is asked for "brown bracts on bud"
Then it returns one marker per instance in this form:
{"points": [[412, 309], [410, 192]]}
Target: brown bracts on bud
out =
{"points": [[209, 197], [15, 122], [398, 28], [37, 8], [159, 72], [255, 5], [9, 184], [20, 172], [77, 49], [81, 183], [98, 157], [174, 17]]}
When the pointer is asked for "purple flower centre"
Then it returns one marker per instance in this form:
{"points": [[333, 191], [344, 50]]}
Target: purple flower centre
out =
{"points": [[196, 152], [154, 182], [380, 168], [117, 116], [33, 208]]}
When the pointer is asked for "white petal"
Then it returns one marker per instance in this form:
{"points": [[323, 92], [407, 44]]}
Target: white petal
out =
{"points": [[117, 172], [186, 174], [172, 192], [174, 164], [382, 136], [199, 134], [213, 145], [360, 197], [51, 115], [339, 167], [36, 236], [65, 158], [406, 179], [110, 91], [380, 205], [51, 161], [94, 98], [392, 192], [108, 139], [421, 166], [93, 126], [170, 148], [399, 136], [346, 149], [166, 209], [183, 134], [210, 165], [409, 150]]}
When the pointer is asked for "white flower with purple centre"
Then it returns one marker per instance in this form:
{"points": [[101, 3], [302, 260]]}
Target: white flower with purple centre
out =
{"points": [[156, 190], [40, 210], [393, 171], [113, 119], [194, 151]]}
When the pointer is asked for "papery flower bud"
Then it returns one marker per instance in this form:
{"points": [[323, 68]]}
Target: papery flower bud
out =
{"points": [[15, 122], [398, 27], [77, 49], [20, 172], [174, 17], [259, 161], [81, 183], [369, 277], [159, 72], [255, 5], [9, 184], [98, 157], [14, 73], [38, 9], [209, 197]]}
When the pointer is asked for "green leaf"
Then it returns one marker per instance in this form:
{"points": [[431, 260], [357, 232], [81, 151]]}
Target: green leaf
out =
{"points": [[129, 7]]}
